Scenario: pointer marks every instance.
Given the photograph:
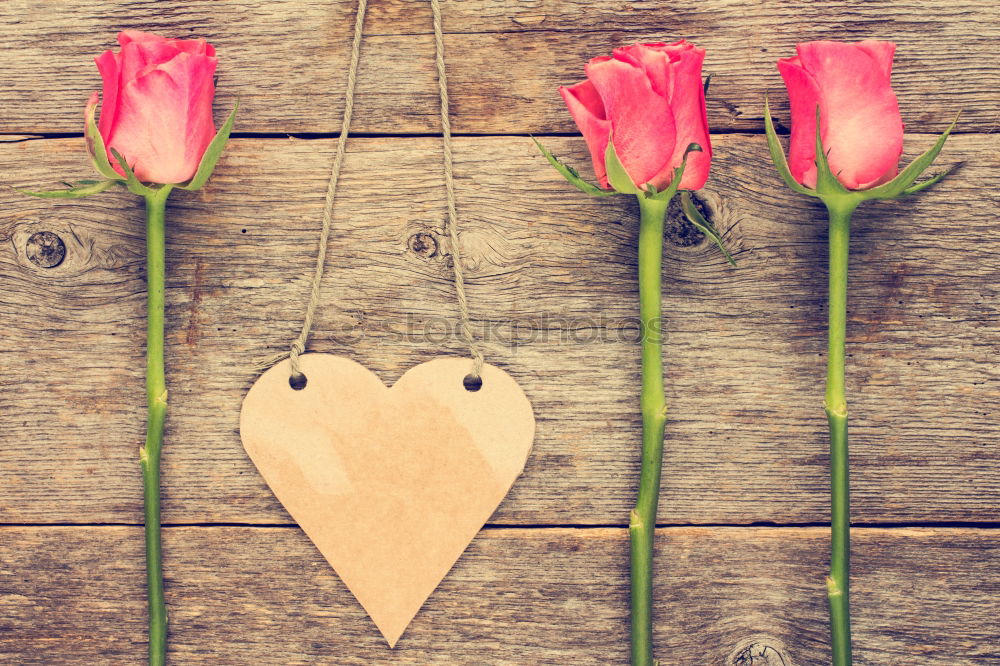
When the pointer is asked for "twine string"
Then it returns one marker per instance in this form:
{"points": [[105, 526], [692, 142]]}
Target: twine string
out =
{"points": [[464, 327], [299, 345]]}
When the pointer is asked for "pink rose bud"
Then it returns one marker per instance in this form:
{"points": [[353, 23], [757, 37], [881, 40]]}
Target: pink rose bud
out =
{"points": [[157, 110], [650, 99], [860, 125]]}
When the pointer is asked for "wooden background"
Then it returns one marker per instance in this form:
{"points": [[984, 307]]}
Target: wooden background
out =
{"points": [[742, 550]]}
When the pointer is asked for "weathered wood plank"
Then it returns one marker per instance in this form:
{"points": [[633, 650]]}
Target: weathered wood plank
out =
{"points": [[745, 348], [556, 596], [286, 58]]}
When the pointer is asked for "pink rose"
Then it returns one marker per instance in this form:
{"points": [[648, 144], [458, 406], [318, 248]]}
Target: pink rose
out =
{"points": [[157, 109], [860, 123], [651, 100]]}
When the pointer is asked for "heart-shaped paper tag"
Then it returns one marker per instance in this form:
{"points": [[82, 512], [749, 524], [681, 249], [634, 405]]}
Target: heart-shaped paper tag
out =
{"points": [[391, 484]]}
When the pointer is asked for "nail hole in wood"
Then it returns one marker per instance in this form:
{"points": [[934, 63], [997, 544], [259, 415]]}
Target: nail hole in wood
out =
{"points": [[45, 249], [472, 383], [678, 230], [297, 382]]}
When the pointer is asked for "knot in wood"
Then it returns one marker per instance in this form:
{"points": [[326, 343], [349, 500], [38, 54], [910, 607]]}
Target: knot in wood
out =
{"points": [[678, 230], [423, 244], [759, 652], [45, 249]]}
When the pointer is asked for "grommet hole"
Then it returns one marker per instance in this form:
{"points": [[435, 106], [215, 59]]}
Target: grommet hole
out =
{"points": [[297, 382], [472, 383]]}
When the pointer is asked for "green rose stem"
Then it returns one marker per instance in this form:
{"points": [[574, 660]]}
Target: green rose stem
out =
{"points": [[653, 206], [835, 404], [642, 521], [156, 397], [156, 385], [840, 204]]}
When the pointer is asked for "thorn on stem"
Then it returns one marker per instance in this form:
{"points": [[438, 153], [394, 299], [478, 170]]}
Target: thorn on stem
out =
{"points": [[839, 410]]}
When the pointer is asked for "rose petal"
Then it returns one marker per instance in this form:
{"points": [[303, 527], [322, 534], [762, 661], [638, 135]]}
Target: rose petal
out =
{"points": [[861, 125], [587, 109], [139, 58], [687, 100], [192, 46], [803, 95], [161, 128], [642, 124], [881, 52], [107, 65], [195, 76], [129, 36], [656, 64]]}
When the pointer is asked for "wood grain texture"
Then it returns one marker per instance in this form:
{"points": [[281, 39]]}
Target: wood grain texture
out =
{"points": [[552, 287], [506, 58], [552, 290], [556, 596]]}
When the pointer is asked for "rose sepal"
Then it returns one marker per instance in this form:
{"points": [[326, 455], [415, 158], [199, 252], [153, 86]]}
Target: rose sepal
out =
{"points": [[936, 178], [80, 189], [131, 182], [572, 175], [211, 155], [695, 217], [827, 183], [666, 195], [691, 212], [617, 174], [905, 183], [618, 177], [99, 157], [828, 186], [95, 142], [778, 155]]}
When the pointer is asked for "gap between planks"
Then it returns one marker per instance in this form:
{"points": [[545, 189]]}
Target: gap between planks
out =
{"points": [[981, 525]]}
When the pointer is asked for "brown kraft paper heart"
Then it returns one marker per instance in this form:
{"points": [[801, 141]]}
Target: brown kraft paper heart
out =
{"points": [[391, 484]]}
